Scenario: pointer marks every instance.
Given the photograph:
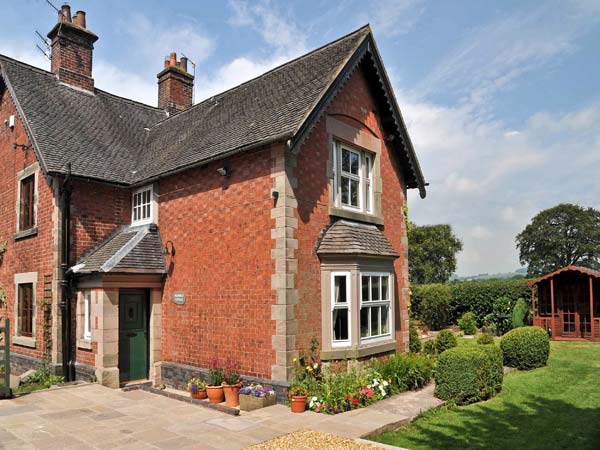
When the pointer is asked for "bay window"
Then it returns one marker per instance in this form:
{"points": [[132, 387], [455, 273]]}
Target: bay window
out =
{"points": [[340, 308], [375, 305]]}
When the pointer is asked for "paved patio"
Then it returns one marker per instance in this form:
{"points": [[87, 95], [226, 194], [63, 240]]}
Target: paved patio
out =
{"points": [[94, 417]]}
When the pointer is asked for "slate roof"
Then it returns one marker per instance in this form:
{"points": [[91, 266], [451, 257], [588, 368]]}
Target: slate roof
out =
{"points": [[352, 238], [117, 140], [129, 249]]}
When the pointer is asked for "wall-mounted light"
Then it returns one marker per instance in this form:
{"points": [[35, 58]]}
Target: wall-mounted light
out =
{"points": [[21, 146], [223, 171], [166, 250]]}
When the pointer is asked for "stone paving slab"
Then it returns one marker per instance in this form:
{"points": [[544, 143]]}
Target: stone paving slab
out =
{"points": [[95, 417]]}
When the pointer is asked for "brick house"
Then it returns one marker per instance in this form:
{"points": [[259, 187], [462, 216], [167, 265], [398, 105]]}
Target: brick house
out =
{"points": [[142, 241]]}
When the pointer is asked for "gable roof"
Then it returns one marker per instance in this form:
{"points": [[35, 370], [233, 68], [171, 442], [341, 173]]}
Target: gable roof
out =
{"points": [[345, 237], [117, 140], [128, 249], [569, 268]]}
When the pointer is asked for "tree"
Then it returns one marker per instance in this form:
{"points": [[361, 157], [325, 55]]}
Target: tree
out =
{"points": [[432, 253], [559, 236]]}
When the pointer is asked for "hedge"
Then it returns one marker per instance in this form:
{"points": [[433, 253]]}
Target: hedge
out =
{"points": [[435, 305], [525, 348], [469, 374], [469, 296]]}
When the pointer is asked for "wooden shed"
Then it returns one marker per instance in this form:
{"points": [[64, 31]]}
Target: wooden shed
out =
{"points": [[567, 303]]}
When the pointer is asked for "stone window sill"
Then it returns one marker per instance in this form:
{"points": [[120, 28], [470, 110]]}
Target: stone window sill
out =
{"points": [[85, 344], [362, 351], [24, 341], [25, 233], [355, 215]]}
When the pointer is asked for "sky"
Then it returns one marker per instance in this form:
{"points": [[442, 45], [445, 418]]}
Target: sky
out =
{"points": [[501, 100]]}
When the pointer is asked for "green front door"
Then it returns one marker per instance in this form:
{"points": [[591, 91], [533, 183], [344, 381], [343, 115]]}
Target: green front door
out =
{"points": [[133, 335]]}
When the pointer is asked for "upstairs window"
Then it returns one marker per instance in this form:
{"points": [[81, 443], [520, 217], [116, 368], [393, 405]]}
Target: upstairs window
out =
{"points": [[142, 206], [27, 203], [353, 180]]}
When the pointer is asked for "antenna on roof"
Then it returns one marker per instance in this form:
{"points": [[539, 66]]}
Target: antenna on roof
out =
{"points": [[194, 73], [47, 53], [52, 5]]}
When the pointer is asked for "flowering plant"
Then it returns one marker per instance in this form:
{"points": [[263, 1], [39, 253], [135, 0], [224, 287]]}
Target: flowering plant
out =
{"points": [[298, 390], [195, 385], [215, 373], [231, 376], [257, 390]]}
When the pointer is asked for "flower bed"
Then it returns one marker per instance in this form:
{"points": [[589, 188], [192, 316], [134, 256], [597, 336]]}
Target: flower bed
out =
{"points": [[255, 396]]}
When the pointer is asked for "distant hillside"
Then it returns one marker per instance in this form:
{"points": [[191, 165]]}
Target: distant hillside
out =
{"points": [[519, 273]]}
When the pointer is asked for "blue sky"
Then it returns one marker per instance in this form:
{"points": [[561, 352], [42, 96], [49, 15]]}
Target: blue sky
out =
{"points": [[502, 101]]}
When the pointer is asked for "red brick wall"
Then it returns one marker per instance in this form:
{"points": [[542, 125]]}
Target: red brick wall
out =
{"points": [[175, 91], [32, 254], [221, 230], [355, 101]]}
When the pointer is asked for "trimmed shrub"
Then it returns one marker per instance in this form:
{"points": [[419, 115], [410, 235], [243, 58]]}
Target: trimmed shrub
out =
{"points": [[429, 347], [406, 372], [519, 313], [525, 348], [469, 374], [434, 308], [467, 323], [485, 339], [414, 342], [445, 340]]}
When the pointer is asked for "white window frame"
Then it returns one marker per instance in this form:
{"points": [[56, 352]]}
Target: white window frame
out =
{"points": [[348, 306], [146, 220], [369, 303], [87, 315], [364, 178]]}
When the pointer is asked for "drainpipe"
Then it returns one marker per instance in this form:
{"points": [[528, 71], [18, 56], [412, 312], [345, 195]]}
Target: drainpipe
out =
{"points": [[68, 366]]}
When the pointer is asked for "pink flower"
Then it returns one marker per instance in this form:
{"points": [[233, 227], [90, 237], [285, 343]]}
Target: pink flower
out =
{"points": [[317, 409]]}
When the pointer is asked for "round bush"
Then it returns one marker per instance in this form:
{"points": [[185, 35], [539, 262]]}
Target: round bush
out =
{"points": [[525, 348], [485, 339], [429, 347], [435, 305], [468, 323], [469, 373], [445, 340], [414, 342]]}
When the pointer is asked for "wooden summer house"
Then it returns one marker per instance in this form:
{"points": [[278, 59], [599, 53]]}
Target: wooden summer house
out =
{"points": [[567, 303]]}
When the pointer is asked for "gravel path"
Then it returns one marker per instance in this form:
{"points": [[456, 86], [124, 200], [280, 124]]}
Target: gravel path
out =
{"points": [[311, 440]]}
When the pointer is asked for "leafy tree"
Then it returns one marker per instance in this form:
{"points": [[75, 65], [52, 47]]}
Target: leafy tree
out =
{"points": [[432, 253], [559, 236]]}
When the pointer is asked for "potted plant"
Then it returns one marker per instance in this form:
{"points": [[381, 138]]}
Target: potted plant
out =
{"points": [[231, 384], [256, 396], [214, 390], [197, 388], [298, 395]]}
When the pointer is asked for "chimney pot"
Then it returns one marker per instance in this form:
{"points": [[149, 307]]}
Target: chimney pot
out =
{"points": [[183, 63], [79, 19], [173, 59], [65, 13], [166, 62]]}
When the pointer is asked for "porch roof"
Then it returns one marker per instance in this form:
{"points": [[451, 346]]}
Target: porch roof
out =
{"points": [[569, 268]]}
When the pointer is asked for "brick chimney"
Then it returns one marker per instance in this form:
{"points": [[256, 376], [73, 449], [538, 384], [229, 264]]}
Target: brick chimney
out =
{"points": [[72, 46], [175, 85]]}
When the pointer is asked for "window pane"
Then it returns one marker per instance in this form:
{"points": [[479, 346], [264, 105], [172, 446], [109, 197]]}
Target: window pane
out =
{"points": [[345, 160], [364, 322], [368, 196], [340, 324], [384, 288], [385, 329], [26, 309], [354, 163], [27, 203], [354, 192], [365, 288], [375, 322], [340, 289], [345, 192], [375, 288]]}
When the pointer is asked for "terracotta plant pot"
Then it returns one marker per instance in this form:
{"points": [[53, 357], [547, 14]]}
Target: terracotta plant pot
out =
{"points": [[232, 394], [199, 395], [298, 403], [215, 394]]}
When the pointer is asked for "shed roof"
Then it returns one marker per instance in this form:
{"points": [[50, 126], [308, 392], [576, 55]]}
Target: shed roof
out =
{"points": [[569, 268]]}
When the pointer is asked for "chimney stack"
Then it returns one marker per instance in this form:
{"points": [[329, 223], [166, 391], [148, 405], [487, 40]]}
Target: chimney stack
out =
{"points": [[72, 46], [175, 85]]}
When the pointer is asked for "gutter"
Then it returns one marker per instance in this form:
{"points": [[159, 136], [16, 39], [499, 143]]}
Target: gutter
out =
{"points": [[68, 365]]}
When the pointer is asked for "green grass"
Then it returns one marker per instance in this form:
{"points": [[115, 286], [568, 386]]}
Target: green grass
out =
{"points": [[555, 407]]}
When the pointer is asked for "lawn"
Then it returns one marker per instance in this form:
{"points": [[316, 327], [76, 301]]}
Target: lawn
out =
{"points": [[556, 407]]}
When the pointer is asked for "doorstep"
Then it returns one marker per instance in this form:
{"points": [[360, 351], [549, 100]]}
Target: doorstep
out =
{"points": [[183, 397]]}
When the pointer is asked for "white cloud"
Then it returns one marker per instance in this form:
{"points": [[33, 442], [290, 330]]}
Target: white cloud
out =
{"points": [[126, 84], [394, 17]]}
